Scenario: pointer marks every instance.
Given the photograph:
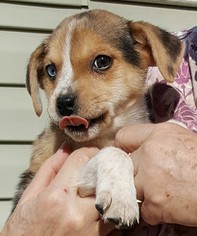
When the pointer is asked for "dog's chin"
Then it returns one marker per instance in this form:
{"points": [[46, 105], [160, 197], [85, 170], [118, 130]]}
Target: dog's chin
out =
{"points": [[81, 133]]}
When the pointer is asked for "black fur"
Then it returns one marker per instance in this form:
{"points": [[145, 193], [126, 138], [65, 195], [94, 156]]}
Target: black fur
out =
{"points": [[171, 43], [25, 180]]}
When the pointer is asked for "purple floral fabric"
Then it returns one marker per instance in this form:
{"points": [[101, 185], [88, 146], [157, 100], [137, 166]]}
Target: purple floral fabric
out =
{"points": [[186, 112], [185, 82]]}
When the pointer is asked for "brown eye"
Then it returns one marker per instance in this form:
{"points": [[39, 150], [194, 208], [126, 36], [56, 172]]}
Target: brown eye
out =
{"points": [[102, 63], [51, 71]]}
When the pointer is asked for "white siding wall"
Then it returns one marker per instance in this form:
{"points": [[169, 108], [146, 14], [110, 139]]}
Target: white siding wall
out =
{"points": [[169, 17], [23, 25]]}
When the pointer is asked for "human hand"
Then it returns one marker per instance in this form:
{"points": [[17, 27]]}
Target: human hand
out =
{"points": [[51, 206], [165, 162]]}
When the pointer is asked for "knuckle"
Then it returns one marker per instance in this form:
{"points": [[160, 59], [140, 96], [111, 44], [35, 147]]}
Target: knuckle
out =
{"points": [[157, 201], [75, 222], [120, 136]]}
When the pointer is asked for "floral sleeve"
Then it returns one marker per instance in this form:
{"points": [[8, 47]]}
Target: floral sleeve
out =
{"points": [[185, 82]]}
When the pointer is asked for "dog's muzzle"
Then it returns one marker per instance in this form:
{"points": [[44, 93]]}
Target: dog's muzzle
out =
{"points": [[66, 108]]}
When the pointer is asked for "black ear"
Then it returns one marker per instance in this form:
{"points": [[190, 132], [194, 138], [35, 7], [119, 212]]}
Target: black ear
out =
{"points": [[157, 47], [34, 72], [162, 100]]}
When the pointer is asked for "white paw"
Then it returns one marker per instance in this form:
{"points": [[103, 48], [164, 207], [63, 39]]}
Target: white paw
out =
{"points": [[110, 173], [115, 190], [120, 208]]}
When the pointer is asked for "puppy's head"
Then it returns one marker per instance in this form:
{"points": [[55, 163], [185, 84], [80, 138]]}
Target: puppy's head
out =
{"points": [[92, 69]]}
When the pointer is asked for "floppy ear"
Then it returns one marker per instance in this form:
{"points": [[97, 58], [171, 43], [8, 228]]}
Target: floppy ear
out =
{"points": [[157, 47], [33, 76]]}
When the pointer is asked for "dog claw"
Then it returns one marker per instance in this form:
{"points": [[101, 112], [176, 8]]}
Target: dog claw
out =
{"points": [[100, 208], [125, 226], [103, 202], [114, 221]]}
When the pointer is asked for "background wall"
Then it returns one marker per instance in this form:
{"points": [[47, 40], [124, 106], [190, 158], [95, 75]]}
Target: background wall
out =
{"points": [[23, 26]]}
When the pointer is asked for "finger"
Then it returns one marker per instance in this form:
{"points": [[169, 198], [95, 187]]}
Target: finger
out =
{"points": [[131, 137], [137, 178], [139, 189], [74, 162], [148, 214], [47, 172]]}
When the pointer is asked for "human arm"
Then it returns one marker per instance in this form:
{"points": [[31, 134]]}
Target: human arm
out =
{"points": [[51, 206], [165, 162]]}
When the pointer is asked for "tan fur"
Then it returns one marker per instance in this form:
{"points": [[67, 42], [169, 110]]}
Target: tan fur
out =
{"points": [[153, 50]]}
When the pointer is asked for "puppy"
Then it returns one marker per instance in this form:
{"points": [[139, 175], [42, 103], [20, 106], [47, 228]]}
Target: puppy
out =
{"points": [[93, 69]]}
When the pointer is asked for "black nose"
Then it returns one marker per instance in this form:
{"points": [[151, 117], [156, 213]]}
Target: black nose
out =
{"points": [[66, 105]]}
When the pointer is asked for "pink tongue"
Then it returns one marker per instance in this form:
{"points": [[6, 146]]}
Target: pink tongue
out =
{"points": [[72, 121]]}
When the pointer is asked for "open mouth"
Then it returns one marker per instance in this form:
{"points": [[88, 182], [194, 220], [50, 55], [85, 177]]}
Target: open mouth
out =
{"points": [[79, 124], [82, 128]]}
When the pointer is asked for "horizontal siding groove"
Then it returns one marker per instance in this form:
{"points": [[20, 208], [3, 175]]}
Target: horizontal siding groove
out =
{"points": [[14, 142], [43, 4], [12, 85], [175, 3], [5, 199], [180, 6], [22, 29]]}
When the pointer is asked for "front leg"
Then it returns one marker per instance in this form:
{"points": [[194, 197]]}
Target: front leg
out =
{"points": [[110, 174]]}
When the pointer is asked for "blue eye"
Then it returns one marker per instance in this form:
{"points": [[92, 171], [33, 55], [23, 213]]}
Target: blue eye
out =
{"points": [[51, 71]]}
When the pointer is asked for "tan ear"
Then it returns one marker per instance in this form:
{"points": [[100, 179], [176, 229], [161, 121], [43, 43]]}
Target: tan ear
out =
{"points": [[157, 47], [33, 76]]}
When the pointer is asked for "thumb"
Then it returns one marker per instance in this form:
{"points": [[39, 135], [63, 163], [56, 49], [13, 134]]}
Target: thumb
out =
{"points": [[131, 137]]}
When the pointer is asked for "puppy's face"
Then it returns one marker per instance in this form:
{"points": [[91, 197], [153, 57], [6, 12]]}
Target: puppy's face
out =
{"points": [[92, 69]]}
